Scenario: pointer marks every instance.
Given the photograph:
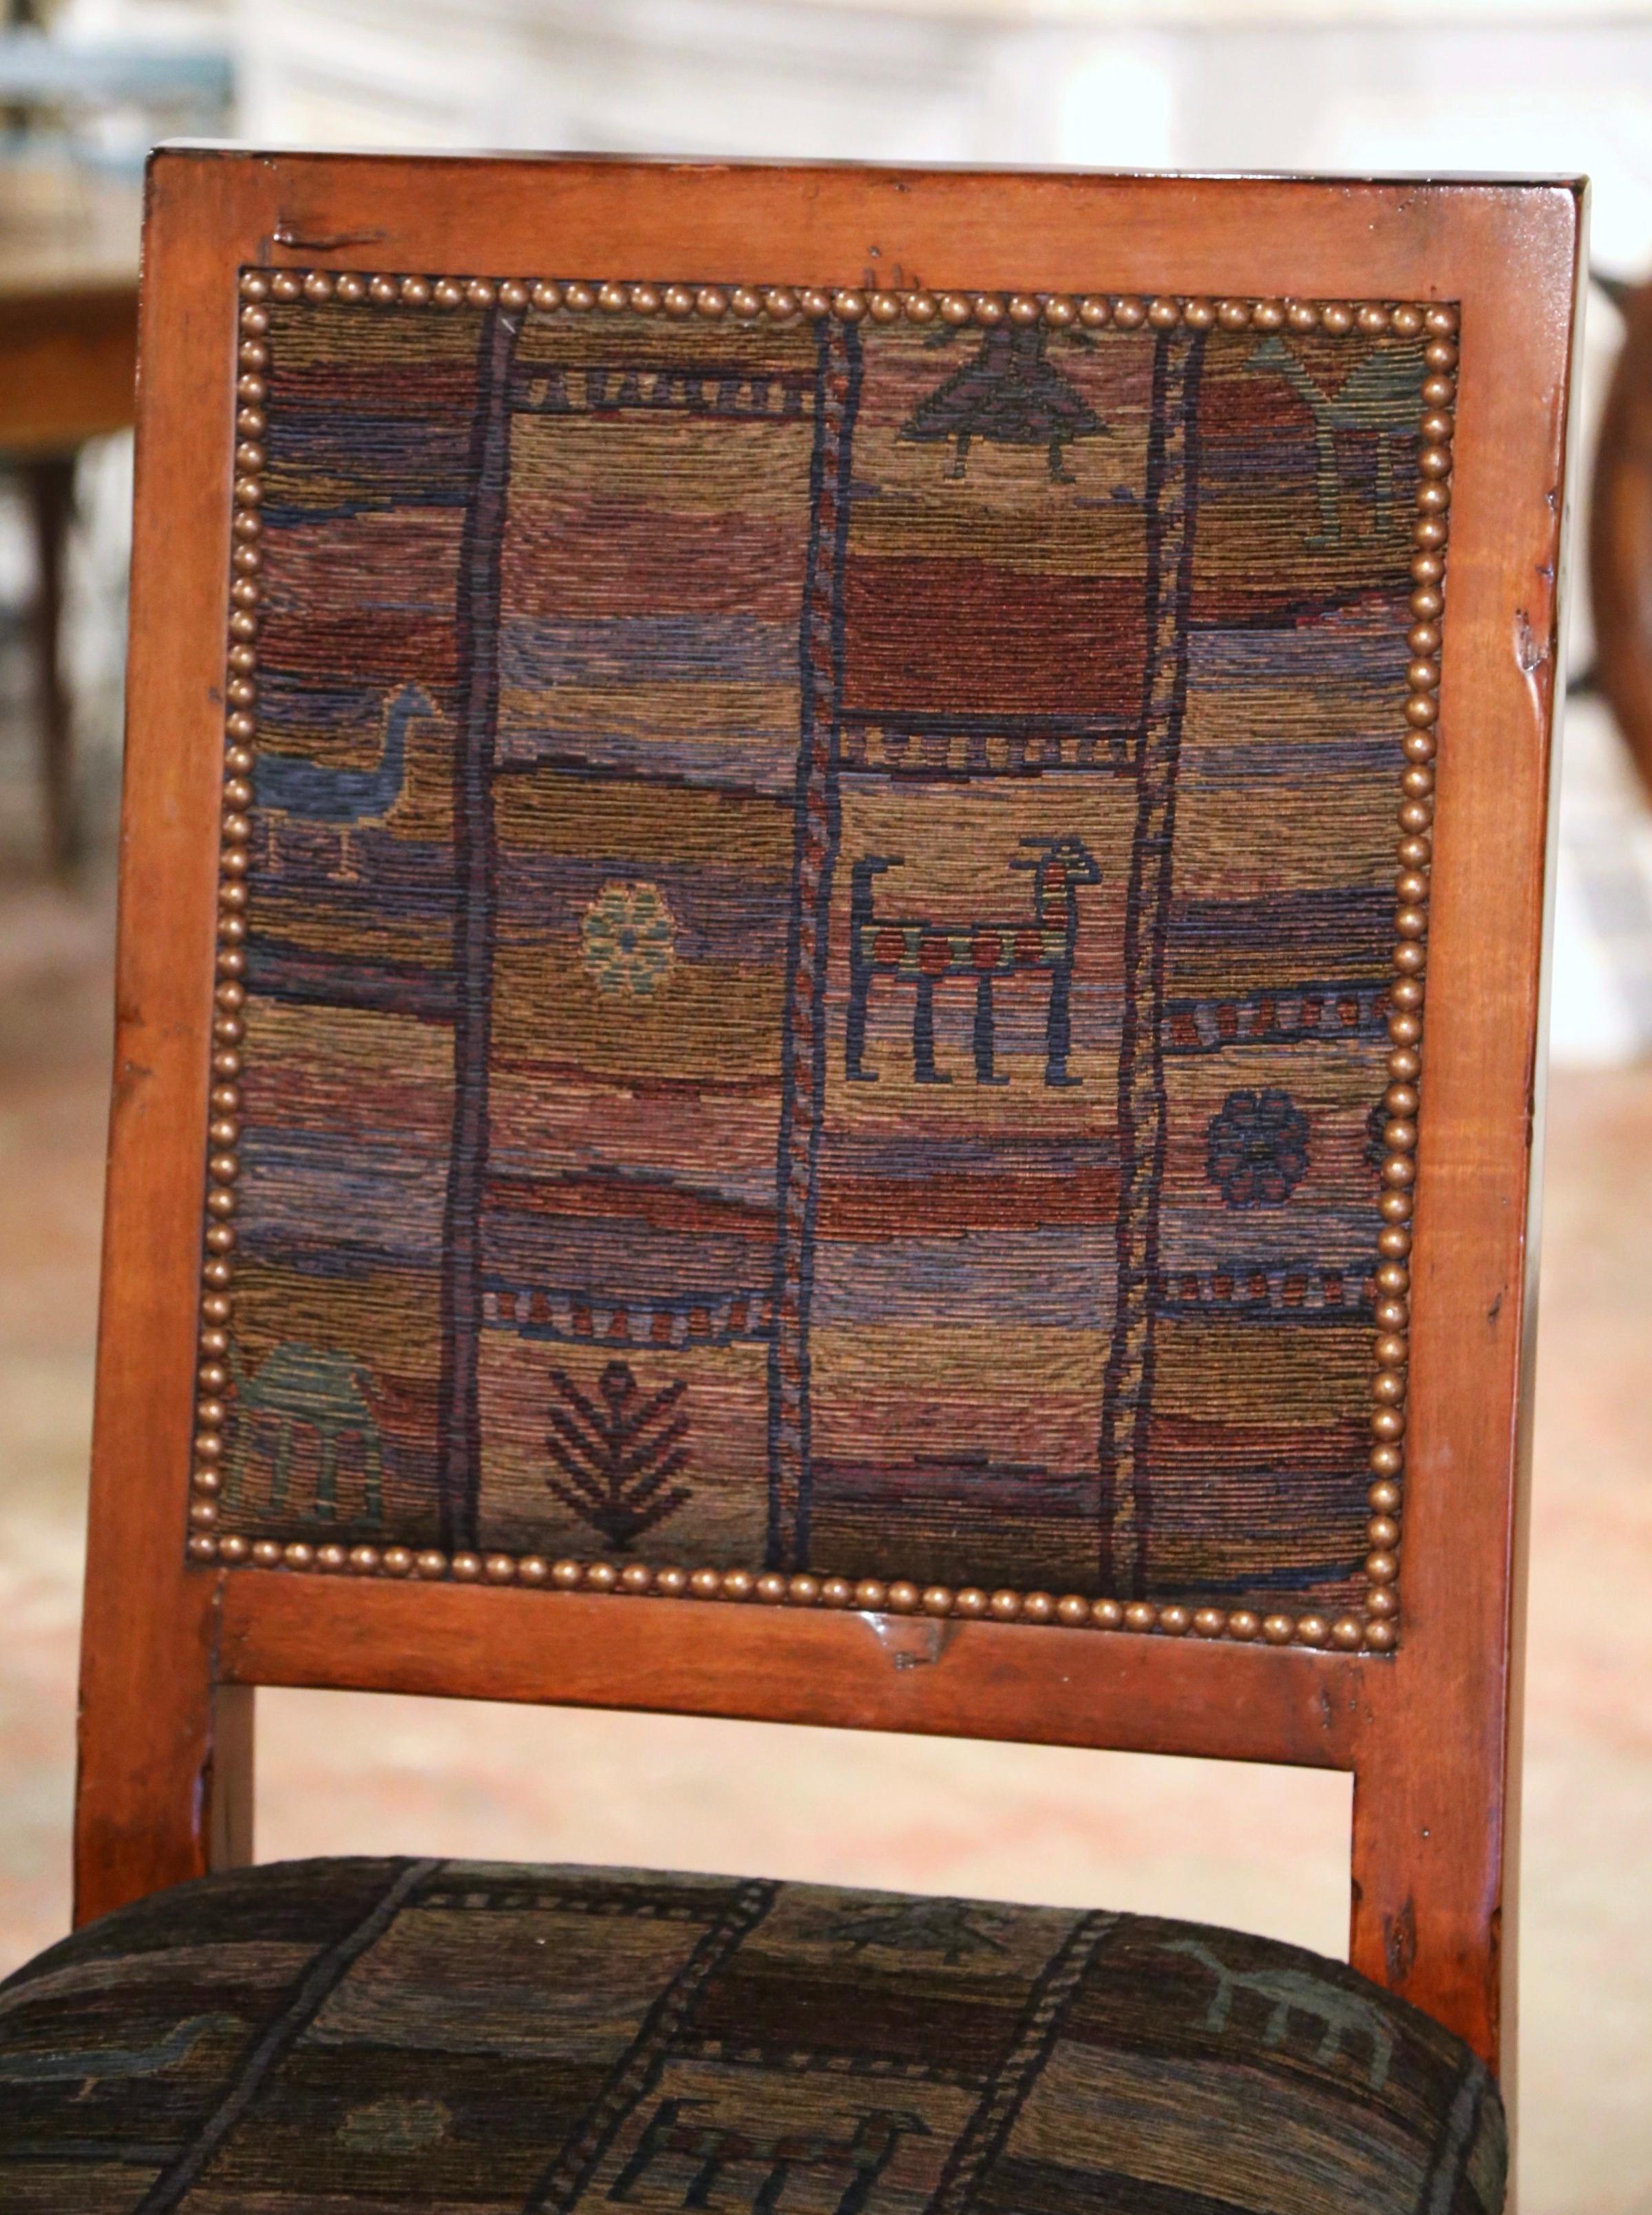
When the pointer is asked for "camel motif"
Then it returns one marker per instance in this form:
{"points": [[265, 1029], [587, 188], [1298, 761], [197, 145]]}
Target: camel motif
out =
{"points": [[1381, 395], [315, 792], [94, 2064], [916, 951], [712, 2147], [1294, 1991], [301, 1390]]}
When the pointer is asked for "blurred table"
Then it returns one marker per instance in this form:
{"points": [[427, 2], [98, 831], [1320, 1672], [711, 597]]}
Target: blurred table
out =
{"points": [[68, 362]]}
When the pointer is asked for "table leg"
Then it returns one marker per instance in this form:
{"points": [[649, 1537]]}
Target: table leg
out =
{"points": [[50, 483]]}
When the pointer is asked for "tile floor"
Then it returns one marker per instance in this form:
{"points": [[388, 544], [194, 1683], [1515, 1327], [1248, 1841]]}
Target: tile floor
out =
{"points": [[1253, 1847]]}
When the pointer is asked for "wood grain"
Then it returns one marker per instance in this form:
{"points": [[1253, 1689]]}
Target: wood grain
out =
{"points": [[1428, 1731]]}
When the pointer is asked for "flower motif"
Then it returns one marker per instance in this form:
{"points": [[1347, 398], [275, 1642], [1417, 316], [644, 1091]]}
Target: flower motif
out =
{"points": [[628, 938], [1257, 1148]]}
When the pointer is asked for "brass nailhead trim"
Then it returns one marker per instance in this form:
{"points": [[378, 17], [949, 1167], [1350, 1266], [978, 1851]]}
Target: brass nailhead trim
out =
{"points": [[1377, 1629]]}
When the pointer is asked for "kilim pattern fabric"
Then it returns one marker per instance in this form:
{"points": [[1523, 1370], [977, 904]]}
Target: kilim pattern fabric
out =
{"points": [[818, 924], [371, 2037]]}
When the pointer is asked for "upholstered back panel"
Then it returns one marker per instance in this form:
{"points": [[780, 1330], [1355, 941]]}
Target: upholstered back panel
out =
{"points": [[810, 976]]}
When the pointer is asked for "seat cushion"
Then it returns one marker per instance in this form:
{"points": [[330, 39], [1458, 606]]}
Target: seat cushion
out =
{"points": [[361, 2037]]}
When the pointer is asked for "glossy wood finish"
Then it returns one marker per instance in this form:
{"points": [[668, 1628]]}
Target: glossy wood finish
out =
{"points": [[1428, 1731]]}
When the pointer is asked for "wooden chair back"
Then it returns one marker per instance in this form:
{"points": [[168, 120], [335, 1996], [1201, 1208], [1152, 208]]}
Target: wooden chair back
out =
{"points": [[402, 423]]}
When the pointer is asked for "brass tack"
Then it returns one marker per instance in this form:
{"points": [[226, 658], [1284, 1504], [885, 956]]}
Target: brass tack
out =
{"points": [[1128, 314], [1415, 816], [364, 1561], [203, 1547], [711, 301], [902, 1597], [1382, 1568], [214, 1272], [234, 1549], [447, 292], [581, 299], [868, 1594], [1005, 1606], [1336, 318], [956, 307], [987, 309], [1392, 1314], [1173, 1620], [548, 296], [1395, 1240], [330, 1559], [771, 1588], [430, 1563], [1434, 499], [1420, 746], [254, 321], [1408, 320], [1072, 1608], [318, 286], [1278, 1629], [1382, 1600], [480, 293], [836, 1591], [781, 305], [1434, 461], [1243, 1623], [1388, 1387], [1233, 315], [212, 1377], [1059, 313], [1438, 427], [1038, 1607], [352, 287], [1410, 959], [612, 298], [1381, 1635], [705, 1584], [1372, 317], [1388, 1423], [920, 307], [1140, 1614], [746, 304], [1422, 675], [1313, 1630], [803, 1591], [1382, 1530], [849, 306], [1163, 314], [1440, 319], [396, 1562], [1347, 1632], [512, 293], [815, 303], [208, 1446], [1429, 531], [1024, 308], [382, 289], [635, 1577], [1427, 568], [251, 389], [499, 1569], [246, 525], [298, 1556], [1301, 315], [203, 1513], [884, 307], [1106, 1614], [254, 286], [415, 290], [285, 285], [1406, 992], [1197, 314], [1410, 921], [1209, 1621], [671, 1583], [1268, 315], [1423, 639], [971, 1601], [738, 1584], [937, 1599]]}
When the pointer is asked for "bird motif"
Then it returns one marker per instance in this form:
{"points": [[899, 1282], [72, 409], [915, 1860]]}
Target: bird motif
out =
{"points": [[298, 786]]}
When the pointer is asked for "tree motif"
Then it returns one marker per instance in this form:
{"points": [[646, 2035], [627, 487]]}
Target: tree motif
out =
{"points": [[617, 1459]]}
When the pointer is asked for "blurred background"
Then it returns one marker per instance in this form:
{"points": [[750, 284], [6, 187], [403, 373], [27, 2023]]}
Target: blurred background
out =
{"points": [[1533, 86]]}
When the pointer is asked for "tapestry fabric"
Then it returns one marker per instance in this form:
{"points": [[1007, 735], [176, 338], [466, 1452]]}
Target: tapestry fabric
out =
{"points": [[820, 914], [371, 2037]]}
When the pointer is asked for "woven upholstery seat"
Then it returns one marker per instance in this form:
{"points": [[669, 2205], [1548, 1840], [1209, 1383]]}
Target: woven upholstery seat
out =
{"points": [[345, 2036]]}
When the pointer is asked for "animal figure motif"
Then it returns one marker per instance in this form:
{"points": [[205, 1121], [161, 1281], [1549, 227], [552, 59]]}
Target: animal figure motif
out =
{"points": [[94, 2064], [673, 2129], [1382, 394], [913, 951], [300, 1389], [316, 792], [1294, 1991]]}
